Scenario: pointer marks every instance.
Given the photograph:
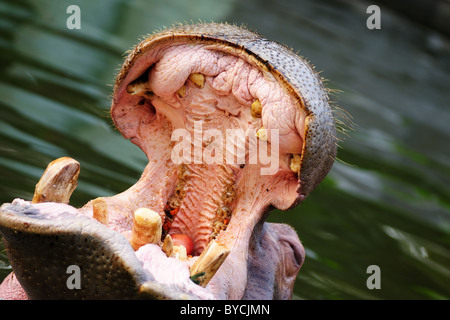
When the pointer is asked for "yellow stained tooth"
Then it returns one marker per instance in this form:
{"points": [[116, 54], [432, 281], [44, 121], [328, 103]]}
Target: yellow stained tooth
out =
{"points": [[182, 92], [139, 88], [198, 79], [58, 181], [167, 246], [262, 134], [295, 163], [207, 264], [256, 109], [147, 228], [100, 211]]}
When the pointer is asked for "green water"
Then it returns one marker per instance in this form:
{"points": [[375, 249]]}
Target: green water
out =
{"points": [[386, 201]]}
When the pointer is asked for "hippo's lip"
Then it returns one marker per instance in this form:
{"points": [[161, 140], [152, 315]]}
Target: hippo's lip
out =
{"points": [[197, 84]]}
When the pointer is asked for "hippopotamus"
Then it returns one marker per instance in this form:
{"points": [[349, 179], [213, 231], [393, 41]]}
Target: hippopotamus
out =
{"points": [[233, 125]]}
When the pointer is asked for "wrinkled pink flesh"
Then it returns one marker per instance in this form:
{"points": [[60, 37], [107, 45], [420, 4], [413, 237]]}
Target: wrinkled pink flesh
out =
{"points": [[10, 289], [233, 85]]}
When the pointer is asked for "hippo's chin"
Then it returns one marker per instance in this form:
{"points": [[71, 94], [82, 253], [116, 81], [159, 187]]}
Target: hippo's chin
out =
{"points": [[233, 125]]}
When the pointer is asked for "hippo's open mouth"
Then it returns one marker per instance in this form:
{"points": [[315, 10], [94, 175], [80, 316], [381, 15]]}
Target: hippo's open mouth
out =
{"points": [[232, 125]]}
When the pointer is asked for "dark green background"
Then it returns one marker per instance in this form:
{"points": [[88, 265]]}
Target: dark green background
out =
{"points": [[386, 201]]}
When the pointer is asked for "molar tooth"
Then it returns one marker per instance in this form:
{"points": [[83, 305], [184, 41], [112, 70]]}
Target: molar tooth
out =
{"points": [[167, 246], [182, 91], [208, 263], [295, 162], [100, 211], [147, 228], [256, 109], [139, 88], [262, 134], [198, 79], [58, 181]]}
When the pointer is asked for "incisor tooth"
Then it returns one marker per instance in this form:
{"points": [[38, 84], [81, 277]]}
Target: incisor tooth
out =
{"points": [[295, 163], [198, 79], [208, 263], [256, 109], [58, 181], [100, 211], [147, 228], [167, 246]]}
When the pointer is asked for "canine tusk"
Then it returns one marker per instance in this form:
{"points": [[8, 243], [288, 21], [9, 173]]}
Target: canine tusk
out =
{"points": [[58, 181], [208, 263], [147, 228]]}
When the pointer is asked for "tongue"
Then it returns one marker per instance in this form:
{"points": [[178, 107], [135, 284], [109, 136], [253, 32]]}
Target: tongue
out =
{"points": [[183, 240], [205, 188]]}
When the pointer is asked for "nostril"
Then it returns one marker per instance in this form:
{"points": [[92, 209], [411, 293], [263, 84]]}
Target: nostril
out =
{"points": [[291, 248], [299, 254]]}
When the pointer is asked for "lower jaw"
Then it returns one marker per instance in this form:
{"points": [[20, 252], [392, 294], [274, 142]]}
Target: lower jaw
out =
{"points": [[176, 195], [248, 211]]}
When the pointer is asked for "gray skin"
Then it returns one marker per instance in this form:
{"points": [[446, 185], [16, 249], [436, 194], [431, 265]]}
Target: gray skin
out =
{"points": [[42, 242]]}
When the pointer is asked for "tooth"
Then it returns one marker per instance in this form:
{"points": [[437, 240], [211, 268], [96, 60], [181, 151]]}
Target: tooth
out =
{"points": [[58, 181], [147, 228], [198, 79], [139, 88], [182, 92], [256, 109], [295, 162], [179, 252], [262, 134], [100, 211], [167, 246], [208, 263], [183, 240]]}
